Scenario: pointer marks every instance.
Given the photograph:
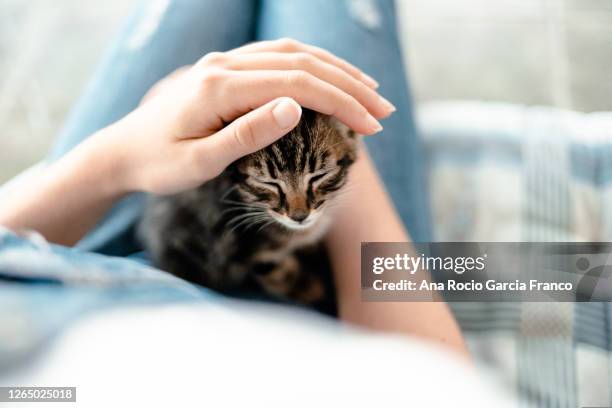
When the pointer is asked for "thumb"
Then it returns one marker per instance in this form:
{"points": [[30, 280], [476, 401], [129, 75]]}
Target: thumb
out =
{"points": [[254, 131]]}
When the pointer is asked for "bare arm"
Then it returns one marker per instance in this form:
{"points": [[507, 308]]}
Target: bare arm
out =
{"points": [[67, 198], [375, 219], [176, 140]]}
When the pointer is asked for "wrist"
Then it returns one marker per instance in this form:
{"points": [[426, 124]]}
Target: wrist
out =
{"points": [[104, 163]]}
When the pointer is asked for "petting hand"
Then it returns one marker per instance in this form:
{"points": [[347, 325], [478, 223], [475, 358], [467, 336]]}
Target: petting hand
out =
{"points": [[177, 139]]}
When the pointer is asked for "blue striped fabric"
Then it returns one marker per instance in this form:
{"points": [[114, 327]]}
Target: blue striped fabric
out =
{"points": [[502, 172]]}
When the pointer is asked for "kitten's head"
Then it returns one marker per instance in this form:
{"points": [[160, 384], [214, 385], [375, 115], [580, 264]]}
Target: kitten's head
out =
{"points": [[293, 179]]}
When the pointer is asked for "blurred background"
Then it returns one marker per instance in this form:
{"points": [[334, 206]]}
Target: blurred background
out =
{"points": [[536, 52]]}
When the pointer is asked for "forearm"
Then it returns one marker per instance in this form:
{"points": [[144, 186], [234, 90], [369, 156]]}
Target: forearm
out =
{"points": [[69, 196], [374, 220], [177, 139]]}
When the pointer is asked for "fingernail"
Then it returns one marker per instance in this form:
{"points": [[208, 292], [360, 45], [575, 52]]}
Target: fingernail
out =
{"points": [[286, 113], [389, 107], [373, 124], [371, 82]]}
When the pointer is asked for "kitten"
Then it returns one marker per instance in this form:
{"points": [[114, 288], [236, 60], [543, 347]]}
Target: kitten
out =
{"points": [[257, 227]]}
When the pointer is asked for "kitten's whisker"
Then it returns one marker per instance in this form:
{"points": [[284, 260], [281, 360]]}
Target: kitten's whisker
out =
{"points": [[245, 213], [267, 224], [242, 203], [260, 207], [228, 192], [251, 214], [252, 224], [249, 221], [235, 227], [245, 209], [228, 210], [241, 217]]}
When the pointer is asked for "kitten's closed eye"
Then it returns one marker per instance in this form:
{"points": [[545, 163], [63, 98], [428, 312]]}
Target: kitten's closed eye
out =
{"points": [[314, 179], [274, 184], [282, 199]]}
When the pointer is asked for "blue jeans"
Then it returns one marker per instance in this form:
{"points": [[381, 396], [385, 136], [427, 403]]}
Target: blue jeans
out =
{"points": [[43, 287], [162, 36]]}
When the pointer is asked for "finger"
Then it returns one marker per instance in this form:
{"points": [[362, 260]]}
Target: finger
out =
{"points": [[288, 45], [374, 103], [246, 90], [251, 132]]}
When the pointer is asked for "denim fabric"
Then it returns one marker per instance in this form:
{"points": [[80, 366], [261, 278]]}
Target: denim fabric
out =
{"points": [[43, 287]]}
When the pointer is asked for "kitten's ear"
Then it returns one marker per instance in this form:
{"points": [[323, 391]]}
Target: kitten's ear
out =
{"points": [[236, 171], [344, 130], [347, 152]]}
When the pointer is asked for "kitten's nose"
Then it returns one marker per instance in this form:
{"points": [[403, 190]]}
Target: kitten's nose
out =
{"points": [[299, 215]]}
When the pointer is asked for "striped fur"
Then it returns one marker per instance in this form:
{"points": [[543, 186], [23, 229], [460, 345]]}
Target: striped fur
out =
{"points": [[257, 227]]}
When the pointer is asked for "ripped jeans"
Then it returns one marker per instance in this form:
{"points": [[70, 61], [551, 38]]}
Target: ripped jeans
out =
{"points": [[43, 287]]}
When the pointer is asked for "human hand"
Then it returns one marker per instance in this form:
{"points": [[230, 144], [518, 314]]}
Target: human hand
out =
{"points": [[177, 138]]}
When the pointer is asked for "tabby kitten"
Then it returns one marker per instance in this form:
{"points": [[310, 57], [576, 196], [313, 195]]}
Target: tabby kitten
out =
{"points": [[257, 226]]}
